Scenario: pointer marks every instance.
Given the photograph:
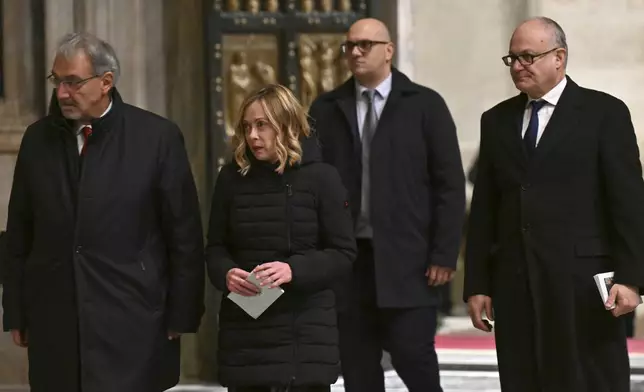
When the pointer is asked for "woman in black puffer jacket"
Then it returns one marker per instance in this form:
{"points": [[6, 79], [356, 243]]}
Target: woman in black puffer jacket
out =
{"points": [[280, 213]]}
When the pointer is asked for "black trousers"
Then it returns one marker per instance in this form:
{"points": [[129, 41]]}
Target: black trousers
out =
{"points": [[291, 389], [366, 330]]}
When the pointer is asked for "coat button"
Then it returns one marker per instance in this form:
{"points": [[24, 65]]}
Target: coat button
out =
{"points": [[524, 187], [526, 228], [79, 249]]}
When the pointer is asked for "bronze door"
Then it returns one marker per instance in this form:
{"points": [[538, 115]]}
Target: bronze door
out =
{"points": [[251, 43]]}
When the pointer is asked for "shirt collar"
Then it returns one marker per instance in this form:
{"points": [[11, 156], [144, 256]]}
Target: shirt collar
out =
{"points": [[383, 89], [80, 127], [552, 97]]}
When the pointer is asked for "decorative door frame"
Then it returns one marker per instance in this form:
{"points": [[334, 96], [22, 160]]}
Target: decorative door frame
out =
{"points": [[265, 41]]}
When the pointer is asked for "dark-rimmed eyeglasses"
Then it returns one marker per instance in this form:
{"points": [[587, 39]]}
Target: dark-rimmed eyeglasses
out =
{"points": [[72, 83], [524, 58], [364, 45]]}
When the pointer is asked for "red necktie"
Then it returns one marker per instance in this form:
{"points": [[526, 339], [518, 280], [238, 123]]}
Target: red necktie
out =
{"points": [[87, 132]]}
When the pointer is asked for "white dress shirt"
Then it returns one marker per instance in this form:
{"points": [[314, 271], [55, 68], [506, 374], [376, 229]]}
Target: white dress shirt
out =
{"points": [[380, 99], [551, 98], [79, 132]]}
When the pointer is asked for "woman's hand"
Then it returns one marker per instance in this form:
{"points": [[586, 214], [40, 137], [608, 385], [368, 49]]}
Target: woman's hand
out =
{"points": [[237, 283], [273, 274]]}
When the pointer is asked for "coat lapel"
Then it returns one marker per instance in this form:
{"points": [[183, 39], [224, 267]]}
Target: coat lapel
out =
{"points": [[511, 130], [64, 154], [389, 111], [563, 123], [347, 104], [401, 86], [346, 100]]}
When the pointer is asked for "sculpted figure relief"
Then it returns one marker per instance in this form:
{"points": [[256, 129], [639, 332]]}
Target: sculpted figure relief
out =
{"points": [[328, 79], [245, 76], [253, 6], [272, 5], [240, 84], [310, 73], [307, 6], [342, 67], [263, 74], [345, 5], [326, 5], [232, 5]]}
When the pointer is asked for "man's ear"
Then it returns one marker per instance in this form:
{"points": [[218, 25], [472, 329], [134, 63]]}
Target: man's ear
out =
{"points": [[389, 50], [107, 82]]}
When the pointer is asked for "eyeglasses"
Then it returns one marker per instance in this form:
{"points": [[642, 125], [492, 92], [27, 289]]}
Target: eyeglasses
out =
{"points": [[524, 58], [363, 45], [72, 83]]}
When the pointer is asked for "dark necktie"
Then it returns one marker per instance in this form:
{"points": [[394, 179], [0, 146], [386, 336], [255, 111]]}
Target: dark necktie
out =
{"points": [[530, 137], [87, 132], [368, 130]]}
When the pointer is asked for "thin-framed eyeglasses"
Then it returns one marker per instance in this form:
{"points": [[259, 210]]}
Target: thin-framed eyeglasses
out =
{"points": [[524, 58], [72, 83], [363, 45]]}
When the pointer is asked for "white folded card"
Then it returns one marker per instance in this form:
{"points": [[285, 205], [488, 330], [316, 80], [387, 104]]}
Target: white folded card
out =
{"points": [[604, 282], [256, 305]]}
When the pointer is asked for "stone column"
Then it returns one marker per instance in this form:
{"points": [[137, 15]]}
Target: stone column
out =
{"points": [[135, 29], [59, 20], [405, 38], [185, 94], [22, 78]]}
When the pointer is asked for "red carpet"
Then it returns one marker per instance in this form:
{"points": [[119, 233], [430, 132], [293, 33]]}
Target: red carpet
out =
{"points": [[486, 342], [465, 342]]}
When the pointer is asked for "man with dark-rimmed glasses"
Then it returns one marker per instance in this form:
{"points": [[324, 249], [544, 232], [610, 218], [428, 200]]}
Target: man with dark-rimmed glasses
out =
{"points": [[558, 198], [105, 252], [394, 144]]}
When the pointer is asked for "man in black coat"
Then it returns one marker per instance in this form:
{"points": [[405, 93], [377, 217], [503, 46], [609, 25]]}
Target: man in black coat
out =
{"points": [[394, 144], [558, 199], [105, 244]]}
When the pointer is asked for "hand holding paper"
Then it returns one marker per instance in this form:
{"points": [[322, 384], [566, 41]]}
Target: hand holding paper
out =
{"points": [[274, 274], [622, 299], [236, 281], [619, 299], [255, 305]]}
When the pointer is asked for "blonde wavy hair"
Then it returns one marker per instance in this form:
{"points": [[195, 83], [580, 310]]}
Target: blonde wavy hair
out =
{"points": [[285, 115]]}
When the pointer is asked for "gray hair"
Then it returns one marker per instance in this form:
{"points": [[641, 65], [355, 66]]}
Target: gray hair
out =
{"points": [[559, 35], [100, 53]]}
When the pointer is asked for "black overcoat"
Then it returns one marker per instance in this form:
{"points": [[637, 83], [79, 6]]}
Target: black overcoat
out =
{"points": [[541, 227], [105, 256], [417, 184]]}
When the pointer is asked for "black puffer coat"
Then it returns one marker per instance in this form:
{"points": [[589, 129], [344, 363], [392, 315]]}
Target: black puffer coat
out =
{"points": [[302, 218]]}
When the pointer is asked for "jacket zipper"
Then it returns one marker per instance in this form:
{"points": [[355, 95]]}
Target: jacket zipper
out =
{"points": [[289, 193]]}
